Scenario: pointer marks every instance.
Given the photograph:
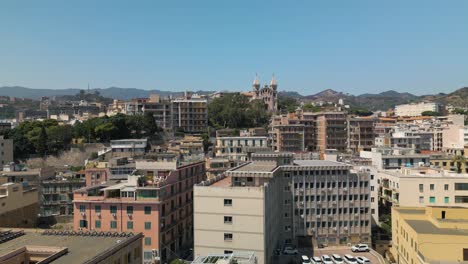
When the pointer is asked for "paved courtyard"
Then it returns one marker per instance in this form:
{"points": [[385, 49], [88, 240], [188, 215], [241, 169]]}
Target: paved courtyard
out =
{"points": [[340, 250]]}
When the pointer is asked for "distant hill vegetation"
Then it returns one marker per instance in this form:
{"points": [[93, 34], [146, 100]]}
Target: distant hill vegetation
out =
{"points": [[379, 101]]}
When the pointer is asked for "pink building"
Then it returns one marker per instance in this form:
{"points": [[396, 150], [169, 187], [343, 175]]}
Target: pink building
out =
{"points": [[159, 203]]}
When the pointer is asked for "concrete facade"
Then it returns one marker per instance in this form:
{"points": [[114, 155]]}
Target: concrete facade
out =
{"points": [[19, 205]]}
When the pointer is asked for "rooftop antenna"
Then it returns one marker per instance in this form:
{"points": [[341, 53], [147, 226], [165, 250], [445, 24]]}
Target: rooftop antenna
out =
{"points": [[88, 87]]}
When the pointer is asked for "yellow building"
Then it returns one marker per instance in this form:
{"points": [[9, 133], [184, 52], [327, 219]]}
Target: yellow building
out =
{"points": [[18, 205], [429, 235]]}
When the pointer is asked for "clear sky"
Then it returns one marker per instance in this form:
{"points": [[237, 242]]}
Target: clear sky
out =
{"points": [[350, 46]]}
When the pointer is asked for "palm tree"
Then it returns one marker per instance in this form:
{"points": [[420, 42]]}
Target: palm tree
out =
{"points": [[459, 160]]}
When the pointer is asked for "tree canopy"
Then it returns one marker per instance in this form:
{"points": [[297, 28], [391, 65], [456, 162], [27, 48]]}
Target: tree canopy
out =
{"points": [[236, 111]]}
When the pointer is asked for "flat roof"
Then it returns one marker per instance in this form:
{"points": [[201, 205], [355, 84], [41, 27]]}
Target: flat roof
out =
{"points": [[80, 248], [319, 163], [257, 167], [226, 182], [421, 210], [426, 227]]}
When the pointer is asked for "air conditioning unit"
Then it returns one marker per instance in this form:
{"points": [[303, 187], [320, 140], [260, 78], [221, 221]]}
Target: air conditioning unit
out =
{"points": [[130, 215], [114, 215], [345, 189], [356, 215], [319, 216], [154, 252], [83, 213], [98, 214], [345, 228], [301, 203], [330, 216], [335, 229]]}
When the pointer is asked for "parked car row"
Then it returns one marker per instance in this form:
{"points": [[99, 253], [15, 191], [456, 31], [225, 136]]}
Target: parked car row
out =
{"points": [[335, 259]]}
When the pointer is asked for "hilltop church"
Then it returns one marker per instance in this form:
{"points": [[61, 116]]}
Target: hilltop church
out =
{"points": [[268, 94]]}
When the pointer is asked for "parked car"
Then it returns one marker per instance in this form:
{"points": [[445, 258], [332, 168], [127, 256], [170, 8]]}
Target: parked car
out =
{"points": [[305, 259], [288, 250], [337, 259], [363, 260], [350, 259], [316, 260], [327, 260], [360, 248]]}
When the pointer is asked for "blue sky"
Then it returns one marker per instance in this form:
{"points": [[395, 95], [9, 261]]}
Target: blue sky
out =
{"points": [[350, 46]]}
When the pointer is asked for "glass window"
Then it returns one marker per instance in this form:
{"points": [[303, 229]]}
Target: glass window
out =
{"points": [[421, 187], [461, 199], [147, 225], [227, 202], [113, 224], [97, 208], [147, 210], [432, 199], [129, 209], [421, 199], [83, 223], [431, 187], [82, 208], [461, 186], [228, 236], [113, 209], [147, 241], [228, 219], [97, 224], [130, 225], [446, 200]]}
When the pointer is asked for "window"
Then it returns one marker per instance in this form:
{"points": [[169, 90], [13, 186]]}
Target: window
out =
{"points": [[97, 224], [227, 202], [147, 210], [113, 209], [97, 208], [431, 187], [421, 187], [372, 188], [82, 208], [227, 251], [113, 224], [461, 186], [446, 199], [421, 199], [446, 187], [432, 199], [147, 225], [83, 223], [228, 219], [228, 236], [147, 255], [130, 225], [461, 199], [129, 209], [147, 241]]}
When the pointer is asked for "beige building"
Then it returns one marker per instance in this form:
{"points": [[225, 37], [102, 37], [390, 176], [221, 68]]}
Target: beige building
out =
{"points": [[429, 235], [416, 109], [19, 205], [239, 148], [6, 151], [275, 200], [423, 187], [190, 114]]}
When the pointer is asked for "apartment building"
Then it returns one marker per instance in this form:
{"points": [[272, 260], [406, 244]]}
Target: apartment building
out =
{"points": [[157, 202], [57, 197], [6, 150], [361, 133], [239, 148], [160, 109], [317, 131], [417, 109], [129, 147], [20, 205], [292, 201], [419, 187], [435, 234], [395, 158], [190, 114]]}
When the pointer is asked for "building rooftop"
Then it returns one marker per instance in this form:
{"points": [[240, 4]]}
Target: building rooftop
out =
{"points": [[237, 257], [80, 248], [319, 163], [426, 227], [257, 167], [225, 182]]}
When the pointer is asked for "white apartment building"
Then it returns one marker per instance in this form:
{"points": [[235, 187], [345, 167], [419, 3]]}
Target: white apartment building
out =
{"points": [[423, 187], [238, 148], [416, 109]]}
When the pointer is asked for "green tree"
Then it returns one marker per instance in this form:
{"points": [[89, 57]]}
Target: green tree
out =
{"points": [[311, 108], [105, 131], [288, 104], [430, 113], [41, 145]]}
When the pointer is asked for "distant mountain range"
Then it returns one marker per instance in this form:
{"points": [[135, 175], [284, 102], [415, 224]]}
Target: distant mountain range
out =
{"points": [[111, 92], [380, 101]]}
